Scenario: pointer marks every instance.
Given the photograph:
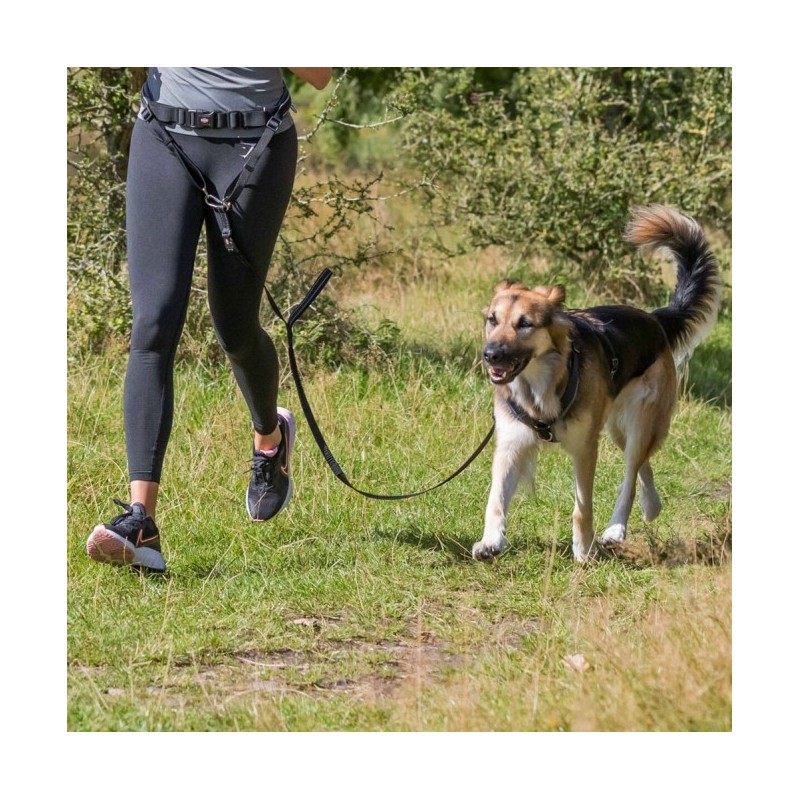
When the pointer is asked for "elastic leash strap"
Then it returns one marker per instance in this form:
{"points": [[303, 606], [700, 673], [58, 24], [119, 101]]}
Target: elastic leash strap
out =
{"points": [[294, 316]]}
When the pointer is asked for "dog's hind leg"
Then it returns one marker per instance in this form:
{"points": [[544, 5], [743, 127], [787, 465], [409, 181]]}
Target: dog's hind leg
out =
{"points": [[649, 499], [639, 423], [618, 525], [515, 458]]}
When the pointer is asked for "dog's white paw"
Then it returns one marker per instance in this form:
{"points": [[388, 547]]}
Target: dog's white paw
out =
{"points": [[485, 550], [583, 554], [613, 534]]}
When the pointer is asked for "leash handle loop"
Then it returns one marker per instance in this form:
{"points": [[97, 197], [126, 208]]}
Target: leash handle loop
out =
{"points": [[311, 296]]}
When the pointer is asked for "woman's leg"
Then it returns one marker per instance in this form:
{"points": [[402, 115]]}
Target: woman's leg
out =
{"points": [[164, 219], [235, 288], [164, 216]]}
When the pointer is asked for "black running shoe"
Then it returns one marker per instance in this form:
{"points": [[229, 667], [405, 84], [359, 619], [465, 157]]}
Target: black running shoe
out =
{"points": [[131, 538], [271, 482]]}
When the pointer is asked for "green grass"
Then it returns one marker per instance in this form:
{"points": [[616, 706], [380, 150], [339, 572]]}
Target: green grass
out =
{"points": [[349, 614]]}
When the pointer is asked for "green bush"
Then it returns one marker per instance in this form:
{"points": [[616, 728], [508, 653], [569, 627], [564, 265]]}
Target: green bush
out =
{"points": [[100, 119], [552, 160]]}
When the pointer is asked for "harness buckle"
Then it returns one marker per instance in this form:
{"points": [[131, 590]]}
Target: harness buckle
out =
{"points": [[545, 433], [199, 119]]}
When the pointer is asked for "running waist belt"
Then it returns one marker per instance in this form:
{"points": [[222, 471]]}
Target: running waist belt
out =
{"points": [[220, 205]]}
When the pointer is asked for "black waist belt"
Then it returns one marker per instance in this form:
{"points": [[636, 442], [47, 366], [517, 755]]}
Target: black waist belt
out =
{"points": [[195, 118]]}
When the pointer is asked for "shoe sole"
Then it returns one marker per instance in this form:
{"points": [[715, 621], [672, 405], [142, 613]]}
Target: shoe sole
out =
{"points": [[108, 547], [288, 418]]}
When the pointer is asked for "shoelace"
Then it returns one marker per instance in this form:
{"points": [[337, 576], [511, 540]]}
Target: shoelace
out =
{"points": [[130, 512], [264, 467]]}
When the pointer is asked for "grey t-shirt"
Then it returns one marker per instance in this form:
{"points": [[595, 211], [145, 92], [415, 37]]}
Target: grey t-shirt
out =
{"points": [[218, 89]]}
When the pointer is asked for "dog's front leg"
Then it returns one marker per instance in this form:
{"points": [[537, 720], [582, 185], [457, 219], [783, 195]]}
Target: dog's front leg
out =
{"points": [[514, 457], [584, 462]]}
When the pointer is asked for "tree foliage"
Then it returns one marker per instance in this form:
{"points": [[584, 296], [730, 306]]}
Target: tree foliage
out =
{"points": [[100, 115]]}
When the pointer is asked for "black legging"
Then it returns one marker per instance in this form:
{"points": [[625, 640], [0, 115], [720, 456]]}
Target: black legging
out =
{"points": [[165, 214]]}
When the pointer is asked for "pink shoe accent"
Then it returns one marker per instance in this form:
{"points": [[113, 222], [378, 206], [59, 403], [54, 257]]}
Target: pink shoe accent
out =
{"points": [[105, 546]]}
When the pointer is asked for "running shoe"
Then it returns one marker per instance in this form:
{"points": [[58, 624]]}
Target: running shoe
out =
{"points": [[131, 538], [271, 480]]}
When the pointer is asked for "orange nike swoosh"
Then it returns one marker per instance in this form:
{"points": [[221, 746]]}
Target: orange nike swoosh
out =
{"points": [[140, 540]]}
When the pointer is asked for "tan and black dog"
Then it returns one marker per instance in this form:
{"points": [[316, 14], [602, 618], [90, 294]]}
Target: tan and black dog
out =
{"points": [[562, 375]]}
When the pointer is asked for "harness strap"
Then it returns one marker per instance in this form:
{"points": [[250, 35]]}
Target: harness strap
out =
{"points": [[597, 329], [273, 123], [544, 429], [613, 361], [337, 470]]}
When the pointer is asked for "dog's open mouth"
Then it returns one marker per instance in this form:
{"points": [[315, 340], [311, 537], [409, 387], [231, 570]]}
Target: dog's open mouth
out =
{"points": [[505, 373]]}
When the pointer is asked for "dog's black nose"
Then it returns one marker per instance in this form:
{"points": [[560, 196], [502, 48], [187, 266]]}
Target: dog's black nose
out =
{"points": [[493, 353]]}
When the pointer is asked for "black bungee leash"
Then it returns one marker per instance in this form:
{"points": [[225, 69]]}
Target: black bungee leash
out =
{"points": [[294, 315]]}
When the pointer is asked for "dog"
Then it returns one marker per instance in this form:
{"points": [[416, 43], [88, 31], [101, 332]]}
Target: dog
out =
{"points": [[561, 375]]}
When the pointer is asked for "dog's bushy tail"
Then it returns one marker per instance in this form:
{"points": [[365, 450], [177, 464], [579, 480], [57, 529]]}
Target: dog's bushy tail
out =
{"points": [[694, 305]]}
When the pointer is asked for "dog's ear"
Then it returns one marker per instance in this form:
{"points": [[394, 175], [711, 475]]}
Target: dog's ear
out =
{"points": [[553, 294], [506, 284]]}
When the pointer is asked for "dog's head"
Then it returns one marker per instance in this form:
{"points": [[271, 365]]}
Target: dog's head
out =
{"points": [[521, 325]]}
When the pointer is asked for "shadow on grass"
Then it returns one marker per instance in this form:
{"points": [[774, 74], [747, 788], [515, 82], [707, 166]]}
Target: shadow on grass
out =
{"points": [[460, 550], [642, 549], [420, 539], [645, 550]]}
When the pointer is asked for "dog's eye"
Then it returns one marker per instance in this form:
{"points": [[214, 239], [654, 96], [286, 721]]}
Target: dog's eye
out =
{"points": [[491, 320], [524, 323]]}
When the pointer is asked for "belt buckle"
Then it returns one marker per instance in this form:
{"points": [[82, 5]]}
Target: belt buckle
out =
{"points": [[200, 119]]}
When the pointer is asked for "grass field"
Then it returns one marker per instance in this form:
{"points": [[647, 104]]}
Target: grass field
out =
{"points": [[345, 614]]}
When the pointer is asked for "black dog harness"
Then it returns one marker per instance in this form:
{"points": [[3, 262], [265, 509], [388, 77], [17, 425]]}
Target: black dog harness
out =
{"points": [[543, 428]]}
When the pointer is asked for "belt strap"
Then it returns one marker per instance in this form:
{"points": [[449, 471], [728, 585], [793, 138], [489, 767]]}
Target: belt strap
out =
{"points": [[197, 119]]}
